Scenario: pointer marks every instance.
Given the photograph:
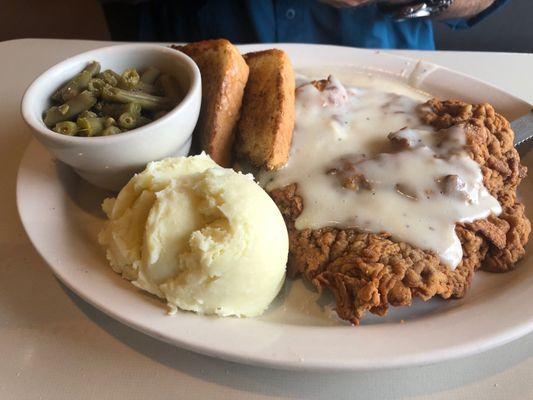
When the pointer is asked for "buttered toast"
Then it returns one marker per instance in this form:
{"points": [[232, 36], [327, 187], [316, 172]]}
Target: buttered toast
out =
{"points": [[224, 76], [264, 131]]}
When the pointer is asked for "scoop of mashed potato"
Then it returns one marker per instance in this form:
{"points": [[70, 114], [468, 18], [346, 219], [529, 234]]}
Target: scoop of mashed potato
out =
{"points": [[204, 238]]}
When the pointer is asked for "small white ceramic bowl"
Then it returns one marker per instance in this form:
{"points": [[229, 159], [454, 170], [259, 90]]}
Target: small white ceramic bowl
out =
{"points": [[109, 161]]}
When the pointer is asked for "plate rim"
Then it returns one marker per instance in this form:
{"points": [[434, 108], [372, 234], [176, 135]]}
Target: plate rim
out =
{"points": [[449, 353]]}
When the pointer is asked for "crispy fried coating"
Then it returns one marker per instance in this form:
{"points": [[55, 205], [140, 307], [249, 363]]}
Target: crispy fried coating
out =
{"points": [[370, 272]]}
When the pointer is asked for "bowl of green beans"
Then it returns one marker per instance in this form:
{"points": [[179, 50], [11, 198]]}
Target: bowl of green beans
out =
{"points": [[110, 111]]}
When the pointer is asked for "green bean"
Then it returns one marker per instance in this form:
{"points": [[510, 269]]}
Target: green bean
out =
{"points": [[147, 88], [134, 108], [82, 102], [115, 110], [74, 87], [87, 114], [106, 103], [77, 84], [68, 128], [150, 75], [170, 87], [72, 107], [90, 126], [54, 115], [110, 77], [95, 85], [129, 79], [128, 121], [109, 121], [63, 108], [93, 68], [111, 130], [146, 101]]}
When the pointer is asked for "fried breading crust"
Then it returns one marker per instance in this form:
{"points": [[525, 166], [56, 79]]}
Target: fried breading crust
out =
{"points": [[370, 272]]}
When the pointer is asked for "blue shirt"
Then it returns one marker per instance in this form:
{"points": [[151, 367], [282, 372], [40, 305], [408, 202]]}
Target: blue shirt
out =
{"points": [[304, 21]]}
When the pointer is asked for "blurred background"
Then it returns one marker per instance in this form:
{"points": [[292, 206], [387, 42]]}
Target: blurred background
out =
{"points": [[508, 30]]}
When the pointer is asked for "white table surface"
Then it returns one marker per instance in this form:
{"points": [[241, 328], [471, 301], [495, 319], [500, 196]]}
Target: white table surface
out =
{"points": [[55, 346]]}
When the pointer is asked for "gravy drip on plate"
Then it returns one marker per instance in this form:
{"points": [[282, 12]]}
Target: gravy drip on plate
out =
{"points": [[363, 159]]}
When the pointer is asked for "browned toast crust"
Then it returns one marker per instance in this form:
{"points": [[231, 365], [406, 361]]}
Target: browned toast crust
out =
{"points": [[264, 131], [224, 76]]}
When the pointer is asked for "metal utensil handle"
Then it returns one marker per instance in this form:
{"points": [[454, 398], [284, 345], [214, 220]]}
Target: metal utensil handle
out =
{"points": [[523, 128]]}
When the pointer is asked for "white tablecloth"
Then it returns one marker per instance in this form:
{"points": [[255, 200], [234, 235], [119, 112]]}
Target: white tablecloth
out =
{"points": [[55, 346]]}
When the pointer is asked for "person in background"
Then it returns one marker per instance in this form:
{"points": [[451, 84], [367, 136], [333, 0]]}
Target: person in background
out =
{"points": [[362, 23]]}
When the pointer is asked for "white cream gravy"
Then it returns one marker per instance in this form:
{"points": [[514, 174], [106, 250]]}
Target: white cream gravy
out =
{"points": [[362, 158]]}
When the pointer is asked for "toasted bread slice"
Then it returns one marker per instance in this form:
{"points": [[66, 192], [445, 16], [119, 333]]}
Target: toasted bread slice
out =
{"points": [[264, 131], [224, 75]]}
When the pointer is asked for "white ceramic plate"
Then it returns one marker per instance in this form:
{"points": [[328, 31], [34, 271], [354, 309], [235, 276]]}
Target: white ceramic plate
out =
{"points": [[61, 215]]}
